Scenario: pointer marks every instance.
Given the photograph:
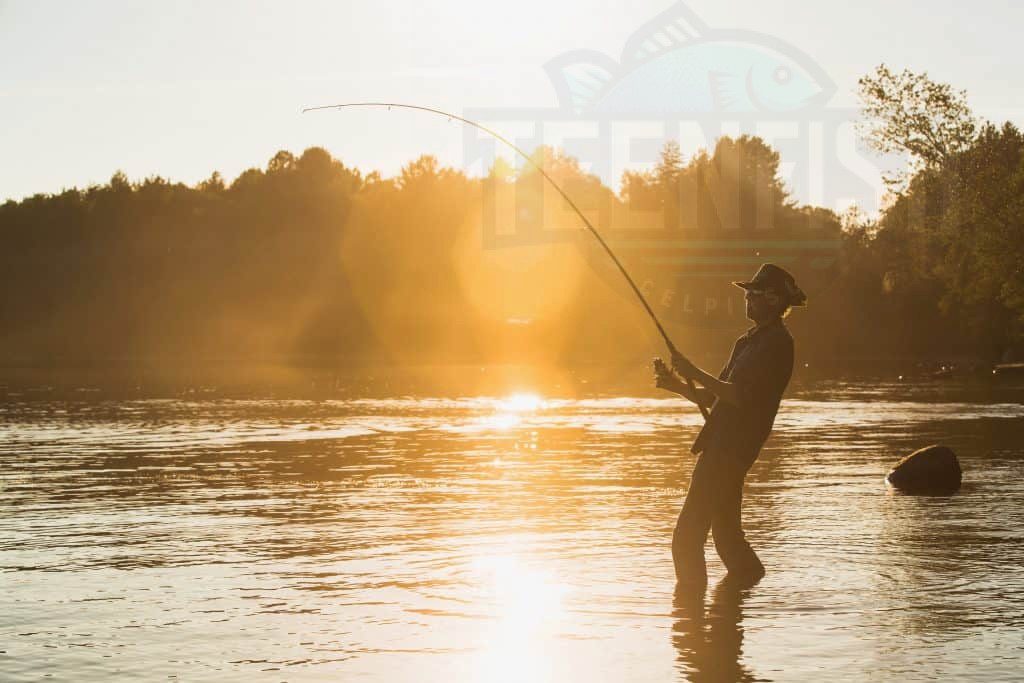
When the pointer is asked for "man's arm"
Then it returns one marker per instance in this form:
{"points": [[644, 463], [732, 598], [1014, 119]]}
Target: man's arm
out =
{"points": [[727, 391], [702, 397], [766, 379], [666, 379]]}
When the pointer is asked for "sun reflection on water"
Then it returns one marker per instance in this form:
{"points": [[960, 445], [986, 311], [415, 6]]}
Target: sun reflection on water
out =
{"points": [[501, 421], [528, 609], [520, 403], [509, 411]]}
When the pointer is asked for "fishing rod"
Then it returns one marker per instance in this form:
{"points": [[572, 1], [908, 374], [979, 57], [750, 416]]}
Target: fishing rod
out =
{"points": [[643, 300]]}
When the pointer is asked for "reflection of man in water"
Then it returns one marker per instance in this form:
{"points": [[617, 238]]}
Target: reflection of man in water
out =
{"points": [[744, 399], [710, 644]]}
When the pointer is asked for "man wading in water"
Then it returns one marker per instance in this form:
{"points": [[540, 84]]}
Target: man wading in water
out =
{"points": [[744, 399]]}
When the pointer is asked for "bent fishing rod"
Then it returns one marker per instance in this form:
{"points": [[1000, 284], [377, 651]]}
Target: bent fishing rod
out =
{"points": [[643, 300]]}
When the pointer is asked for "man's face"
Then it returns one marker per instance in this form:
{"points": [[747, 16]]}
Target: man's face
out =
{"points": [[759, 308]]}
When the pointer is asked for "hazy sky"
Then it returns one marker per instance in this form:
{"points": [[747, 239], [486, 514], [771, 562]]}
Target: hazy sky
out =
{"points": [[183, 88]]}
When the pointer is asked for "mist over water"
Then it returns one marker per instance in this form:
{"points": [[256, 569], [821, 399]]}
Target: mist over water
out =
{"points": [[501, 538]]}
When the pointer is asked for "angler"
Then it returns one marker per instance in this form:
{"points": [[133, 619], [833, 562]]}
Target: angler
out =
{"points": [[744, 399]]}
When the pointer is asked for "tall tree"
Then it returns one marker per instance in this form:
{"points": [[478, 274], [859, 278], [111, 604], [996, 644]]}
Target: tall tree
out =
{"points": [[909, 113]]}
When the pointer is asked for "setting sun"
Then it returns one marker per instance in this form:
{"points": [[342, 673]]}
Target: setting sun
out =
{"points": [[521, 403]]}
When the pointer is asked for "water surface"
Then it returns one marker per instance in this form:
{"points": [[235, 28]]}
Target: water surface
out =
{"points": [[492, 539]]}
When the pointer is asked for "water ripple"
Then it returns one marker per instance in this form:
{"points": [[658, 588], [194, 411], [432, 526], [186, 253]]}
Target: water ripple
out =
{"points": [[482, 537]]}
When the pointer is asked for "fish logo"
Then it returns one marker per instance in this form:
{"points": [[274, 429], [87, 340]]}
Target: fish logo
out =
{"points": [[676, 64]]}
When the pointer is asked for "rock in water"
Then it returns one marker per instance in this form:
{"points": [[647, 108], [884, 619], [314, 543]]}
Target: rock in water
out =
{"points": [[933, 469]]}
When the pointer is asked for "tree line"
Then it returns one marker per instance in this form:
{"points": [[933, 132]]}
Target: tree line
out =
{"points": [[309, 261]]}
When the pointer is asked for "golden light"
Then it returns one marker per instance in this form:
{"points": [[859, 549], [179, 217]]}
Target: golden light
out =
{"points": [[521, 403], [521, 295], [509, 411], [528, 604], [501, 421], [523, 596]]}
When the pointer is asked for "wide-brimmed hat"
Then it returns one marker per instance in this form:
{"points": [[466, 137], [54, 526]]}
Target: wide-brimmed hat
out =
{"points": [[770, 277]]}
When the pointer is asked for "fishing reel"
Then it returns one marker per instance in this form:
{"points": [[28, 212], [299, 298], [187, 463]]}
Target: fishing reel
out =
{"points": [[661, 371]]}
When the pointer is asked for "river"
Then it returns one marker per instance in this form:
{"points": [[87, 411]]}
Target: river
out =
{"points": [[511, 538]]}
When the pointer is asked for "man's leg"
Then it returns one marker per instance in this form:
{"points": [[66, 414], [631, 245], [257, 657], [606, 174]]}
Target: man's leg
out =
{"points": [[726, 525], [694, 522]]}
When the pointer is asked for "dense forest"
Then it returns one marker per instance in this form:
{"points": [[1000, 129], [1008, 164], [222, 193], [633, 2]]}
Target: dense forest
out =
{"points": [[311, 263]]}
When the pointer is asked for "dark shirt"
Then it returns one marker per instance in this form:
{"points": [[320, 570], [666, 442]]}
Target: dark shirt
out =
{"points": [[760, 366]]}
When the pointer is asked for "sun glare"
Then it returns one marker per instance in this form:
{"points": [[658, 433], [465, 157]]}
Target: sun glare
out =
{"points": [[528, 609], [509, 411], [521, 403]]}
